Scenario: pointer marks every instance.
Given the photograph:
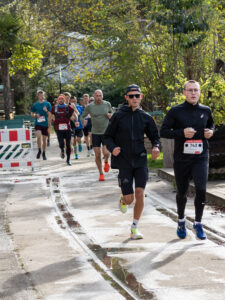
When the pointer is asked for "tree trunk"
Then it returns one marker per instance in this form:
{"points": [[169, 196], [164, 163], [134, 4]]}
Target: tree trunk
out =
{"points": [[167, 149], [6, 87]]}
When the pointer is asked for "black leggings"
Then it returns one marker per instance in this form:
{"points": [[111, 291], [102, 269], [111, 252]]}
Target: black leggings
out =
{"points": [[184, 172], [64, 135]]}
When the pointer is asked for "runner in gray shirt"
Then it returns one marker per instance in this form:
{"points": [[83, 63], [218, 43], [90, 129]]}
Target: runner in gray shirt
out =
{"points": [[100, 112]]}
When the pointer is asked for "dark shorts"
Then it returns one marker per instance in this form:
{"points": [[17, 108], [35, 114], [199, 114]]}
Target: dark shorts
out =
{"points": [[43, 129], [127, 176], [97, 140], [86, 130], [77, 133]]}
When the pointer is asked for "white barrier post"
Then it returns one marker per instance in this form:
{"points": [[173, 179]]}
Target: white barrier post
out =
{"points": [[16, 149]]}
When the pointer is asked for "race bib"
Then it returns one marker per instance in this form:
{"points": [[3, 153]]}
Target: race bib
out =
{"points": [[63, 126], [193, 147], [41, 119]]}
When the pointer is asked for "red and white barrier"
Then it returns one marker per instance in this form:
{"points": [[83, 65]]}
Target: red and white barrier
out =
{"points": [[16, 148]]}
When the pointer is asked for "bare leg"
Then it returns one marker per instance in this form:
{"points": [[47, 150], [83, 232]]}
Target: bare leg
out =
{"points": [[87, 140], [139, 204], [105, 153], [128, 199], [38, 135], [98, 159], [44, 141]]}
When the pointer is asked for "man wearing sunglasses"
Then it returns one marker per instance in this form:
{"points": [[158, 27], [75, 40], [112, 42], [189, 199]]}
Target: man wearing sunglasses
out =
{"points": [[124, 138], [190, 124]]}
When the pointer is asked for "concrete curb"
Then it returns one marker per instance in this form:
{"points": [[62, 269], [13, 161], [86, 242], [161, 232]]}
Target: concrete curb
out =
{"points": [[212, 197]]}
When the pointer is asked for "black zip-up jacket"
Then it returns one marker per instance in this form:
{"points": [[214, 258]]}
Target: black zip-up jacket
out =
{"points": [[126, 130], [182, 116]]}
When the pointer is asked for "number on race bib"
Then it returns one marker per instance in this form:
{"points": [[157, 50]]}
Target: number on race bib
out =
{"points": [[63, 126], [41, 119], [193, 147]]}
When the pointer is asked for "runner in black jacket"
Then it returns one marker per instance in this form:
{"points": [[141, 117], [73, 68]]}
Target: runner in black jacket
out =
{"points": [[190, 124], [124, 138]]}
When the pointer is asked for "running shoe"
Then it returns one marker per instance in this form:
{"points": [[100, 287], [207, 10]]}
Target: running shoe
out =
{"points": [[79, 147], [38, 154], [101, 177], [181, 230], [106, 167], [92, 152], [199, 231], [62, 155], [68, 163], [44, 156], [122, 206], [76, 156], [88, 153], [135, 234]]}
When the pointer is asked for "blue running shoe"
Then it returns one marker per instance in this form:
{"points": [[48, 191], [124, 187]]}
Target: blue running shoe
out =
{"points": [[199, 231], [79, 147], [181, 230]]}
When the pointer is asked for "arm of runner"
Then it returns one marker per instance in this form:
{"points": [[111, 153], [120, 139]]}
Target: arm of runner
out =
{"points": [[34, 115], [189, 132], [109, 135], [84, 115], [109, 114], [155, 153], [52, 115], [209, 130], [208, 133], [167, 128], [116, 151], [152, 132]]}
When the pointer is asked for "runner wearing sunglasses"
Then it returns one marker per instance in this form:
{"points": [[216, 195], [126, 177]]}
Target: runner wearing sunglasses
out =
{"points": [[124, 138]]}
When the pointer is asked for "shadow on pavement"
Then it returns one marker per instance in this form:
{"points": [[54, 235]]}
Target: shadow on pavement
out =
{"points": [[50, 273]]}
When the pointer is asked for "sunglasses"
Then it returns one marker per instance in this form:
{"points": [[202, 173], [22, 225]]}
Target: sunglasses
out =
{"points": [[136, 96]]}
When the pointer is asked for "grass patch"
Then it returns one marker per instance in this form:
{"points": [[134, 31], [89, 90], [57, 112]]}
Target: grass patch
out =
{"points": [[155, 164]]}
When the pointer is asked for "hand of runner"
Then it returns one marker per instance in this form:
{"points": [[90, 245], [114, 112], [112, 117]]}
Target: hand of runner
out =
{"points": [[155, 153], [189, 132], [116, 151], [37, 116], [77, 124], [85, 123], [208, 133], [45, 109]]}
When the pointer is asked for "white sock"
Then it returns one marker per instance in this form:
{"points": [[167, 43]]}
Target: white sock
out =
{"points": [[181, 220], [135, 223], [197, 222]]}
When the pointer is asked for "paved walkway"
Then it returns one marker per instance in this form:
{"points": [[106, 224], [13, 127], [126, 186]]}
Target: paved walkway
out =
{"points": [[62, 236]]}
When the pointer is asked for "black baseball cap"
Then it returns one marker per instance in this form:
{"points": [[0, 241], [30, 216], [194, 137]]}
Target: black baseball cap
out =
{"points": [[133, 87]]}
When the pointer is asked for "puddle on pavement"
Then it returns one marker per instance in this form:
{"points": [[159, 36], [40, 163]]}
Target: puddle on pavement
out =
{"points": [[115, 265]]}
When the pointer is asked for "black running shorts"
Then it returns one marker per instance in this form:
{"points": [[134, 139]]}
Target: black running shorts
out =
{"points": [[86, 130], [127, 176], [97, 140], [77, 133]]}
